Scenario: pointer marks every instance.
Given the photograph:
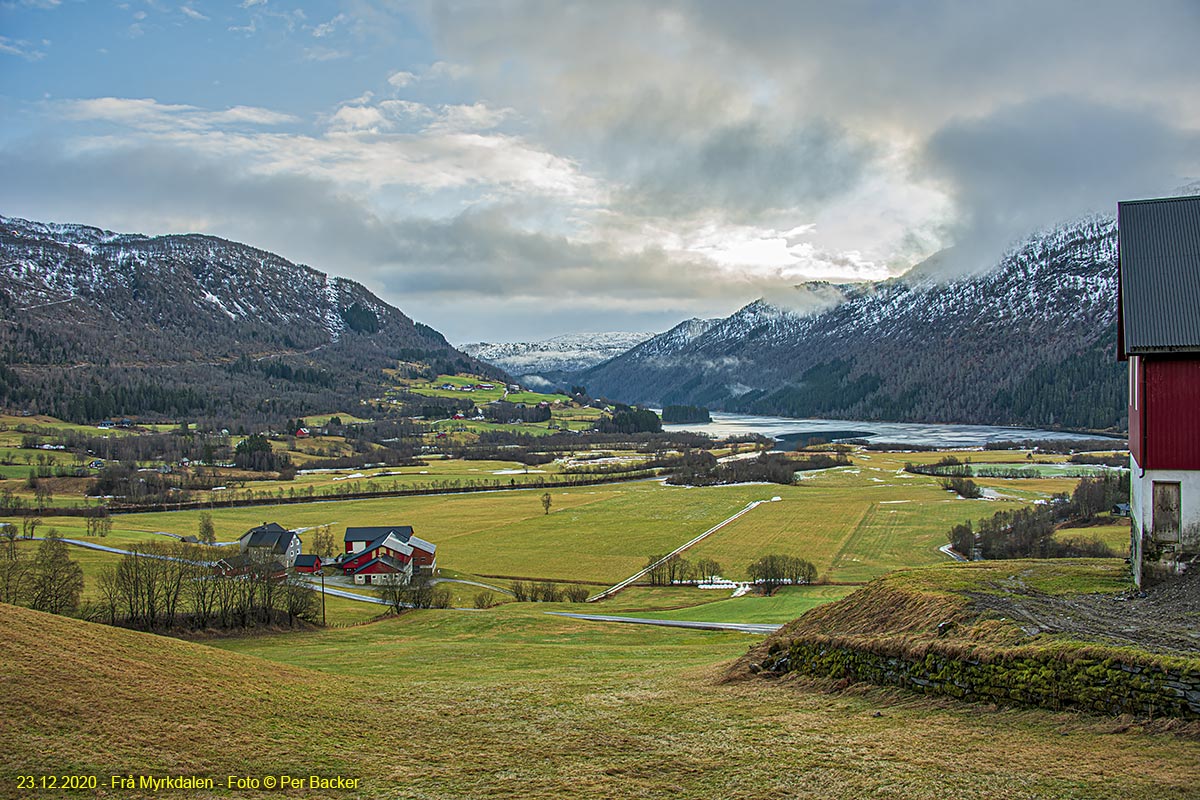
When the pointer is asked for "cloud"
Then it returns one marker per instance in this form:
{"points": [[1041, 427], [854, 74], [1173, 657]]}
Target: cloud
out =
{"points": [[253, 3], [418, 263], [358, 152], [20, 48], [474, 117], [400, 79], [1032, 164], [324, 54], [326, 28], [787, 113], [358, 118], [147, 114], [192, 13]]}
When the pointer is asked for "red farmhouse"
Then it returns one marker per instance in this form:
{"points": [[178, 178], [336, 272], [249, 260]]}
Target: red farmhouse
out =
{"points": [[387, 554]]}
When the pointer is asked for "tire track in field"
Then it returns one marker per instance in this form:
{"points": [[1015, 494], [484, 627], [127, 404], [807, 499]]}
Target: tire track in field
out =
{"points": [[841, 558]]}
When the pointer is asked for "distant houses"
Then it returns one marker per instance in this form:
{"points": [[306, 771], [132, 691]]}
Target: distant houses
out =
{"points": [[1158, 333], [376, 555]]}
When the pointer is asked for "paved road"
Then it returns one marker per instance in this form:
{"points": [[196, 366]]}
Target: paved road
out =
{"points": [[741, 627], [106, 549], [609, 592], [949, 550], [332, 592]]}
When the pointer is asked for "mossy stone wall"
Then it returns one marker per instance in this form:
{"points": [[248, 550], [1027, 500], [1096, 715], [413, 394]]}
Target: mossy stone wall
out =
{"points": [[1050, 680]]}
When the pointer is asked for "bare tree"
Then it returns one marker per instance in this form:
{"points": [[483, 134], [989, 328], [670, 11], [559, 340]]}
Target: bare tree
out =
{"points": [[29, 526], [8, 532], [707, 569], [57, 580], [322, 542], [773, 571], [658, 570], [299, 600], [16, 574], [575, 594]]}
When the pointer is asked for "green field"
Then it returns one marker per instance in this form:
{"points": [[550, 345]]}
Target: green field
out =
{"points": [[852, 523], [784, 606]]}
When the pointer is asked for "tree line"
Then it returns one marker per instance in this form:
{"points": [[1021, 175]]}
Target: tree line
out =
{"points": [[1031, 532], [172, 587]]}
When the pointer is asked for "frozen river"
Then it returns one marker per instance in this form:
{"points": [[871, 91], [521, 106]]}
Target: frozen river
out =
{"points": [[917, 433]]}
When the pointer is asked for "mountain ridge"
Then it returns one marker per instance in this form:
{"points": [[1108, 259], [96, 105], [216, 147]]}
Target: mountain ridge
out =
{"points": [[193, 315], [1026, 342]]}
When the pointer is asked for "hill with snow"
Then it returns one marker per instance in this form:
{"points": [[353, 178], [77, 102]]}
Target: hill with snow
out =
{"points": [[550, 361], [1030, 341], [188, 324]]}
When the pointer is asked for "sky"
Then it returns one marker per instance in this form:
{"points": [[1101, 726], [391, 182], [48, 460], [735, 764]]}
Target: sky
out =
{"points": [[510, 171]]}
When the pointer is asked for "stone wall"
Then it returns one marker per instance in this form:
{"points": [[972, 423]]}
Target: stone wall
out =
{"points": [[1051, 680]]}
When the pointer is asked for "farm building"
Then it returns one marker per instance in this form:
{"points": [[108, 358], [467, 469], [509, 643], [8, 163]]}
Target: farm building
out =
{"points": [[1158, 333], [392, 551], [273, 540], [307, 563]]}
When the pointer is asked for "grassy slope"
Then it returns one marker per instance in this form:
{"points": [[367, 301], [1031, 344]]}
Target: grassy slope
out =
{"points": [[514, 703]]}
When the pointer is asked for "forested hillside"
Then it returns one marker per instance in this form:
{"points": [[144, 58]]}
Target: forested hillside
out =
{"points": [[98, 324], [1030, 342]]}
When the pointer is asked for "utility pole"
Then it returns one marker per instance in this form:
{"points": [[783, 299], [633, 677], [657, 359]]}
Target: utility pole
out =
{"points": [[321, 572]]}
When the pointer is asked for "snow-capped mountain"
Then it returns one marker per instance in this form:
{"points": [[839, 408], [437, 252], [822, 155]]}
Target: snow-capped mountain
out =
{"points": [[1030, 341], [92, 301], [552, 358]]}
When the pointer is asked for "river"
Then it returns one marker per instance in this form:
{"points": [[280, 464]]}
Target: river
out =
{"points": [[789, 431]]}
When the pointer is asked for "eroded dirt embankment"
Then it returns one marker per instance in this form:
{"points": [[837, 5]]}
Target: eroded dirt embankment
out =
{"points": [[1164, 618]]}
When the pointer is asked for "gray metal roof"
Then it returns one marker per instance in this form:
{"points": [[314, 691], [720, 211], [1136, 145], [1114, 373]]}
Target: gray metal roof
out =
{"points": [[270, 535], [370, 534], [1159, 255]]}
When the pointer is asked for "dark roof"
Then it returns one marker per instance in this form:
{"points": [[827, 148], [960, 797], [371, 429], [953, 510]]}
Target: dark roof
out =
{"points": [[378, 532], [306, 560], [1159, 257], [269, 535]]}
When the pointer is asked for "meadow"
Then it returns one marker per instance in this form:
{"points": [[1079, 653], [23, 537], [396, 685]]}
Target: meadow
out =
{"points": [[515, 703], [854, 523]]}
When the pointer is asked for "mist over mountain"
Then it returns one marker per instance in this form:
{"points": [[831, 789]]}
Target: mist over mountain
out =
{"points": [[98, 323], [1030, 341]]}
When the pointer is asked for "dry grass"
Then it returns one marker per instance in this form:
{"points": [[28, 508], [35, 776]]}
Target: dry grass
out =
{"points": [[513, 703]]}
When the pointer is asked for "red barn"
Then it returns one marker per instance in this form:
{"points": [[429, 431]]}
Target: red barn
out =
{"points": [[308, 563], [424, 554], [382, 555], [1158, 333]]}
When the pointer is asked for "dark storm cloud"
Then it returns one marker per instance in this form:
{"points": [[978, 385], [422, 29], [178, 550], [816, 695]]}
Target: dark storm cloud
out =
{"points": [[1030, 165], [1023, 112], [747, 169]]}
